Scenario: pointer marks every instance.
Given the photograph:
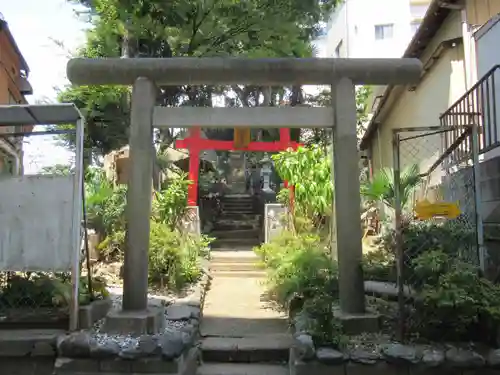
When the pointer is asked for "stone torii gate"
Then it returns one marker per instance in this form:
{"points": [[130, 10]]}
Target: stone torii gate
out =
{"points": [[146, 73]]}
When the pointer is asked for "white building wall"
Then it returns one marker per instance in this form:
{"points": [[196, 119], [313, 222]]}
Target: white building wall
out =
{"points": [[354, 22]]}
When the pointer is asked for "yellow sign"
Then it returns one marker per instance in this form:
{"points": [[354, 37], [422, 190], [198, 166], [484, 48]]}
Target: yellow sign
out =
{"points": [[242, 137], [426, 210]]}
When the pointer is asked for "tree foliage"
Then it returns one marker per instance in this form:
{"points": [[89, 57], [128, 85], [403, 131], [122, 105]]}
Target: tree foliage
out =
{"points": [[193, 28], [310, 172], [381, 188]]}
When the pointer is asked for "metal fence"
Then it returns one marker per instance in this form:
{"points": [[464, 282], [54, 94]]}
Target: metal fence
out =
{"points": [[40, 217], [436, 200], [478, 106]]}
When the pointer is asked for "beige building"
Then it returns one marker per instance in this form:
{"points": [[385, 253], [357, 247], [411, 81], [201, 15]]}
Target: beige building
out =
{"points": [[458, 44], [446, 43]]}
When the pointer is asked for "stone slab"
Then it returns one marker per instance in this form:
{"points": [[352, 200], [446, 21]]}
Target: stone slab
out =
{"points": [[303, 368], [91, 313], [353, 324], [29, 342], [260, 348], [242, 369], [135, 323], [380, 368], [27, 366]]}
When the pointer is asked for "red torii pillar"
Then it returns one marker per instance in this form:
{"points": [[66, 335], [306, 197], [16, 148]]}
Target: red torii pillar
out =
{"points": [[195, 144]]}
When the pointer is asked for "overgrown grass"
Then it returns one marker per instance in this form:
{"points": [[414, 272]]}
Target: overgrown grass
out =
{"points": [[302, 279]]}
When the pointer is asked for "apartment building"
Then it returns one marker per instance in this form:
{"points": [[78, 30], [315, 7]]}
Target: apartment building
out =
{"points": [[14, 87], [372, 28]]}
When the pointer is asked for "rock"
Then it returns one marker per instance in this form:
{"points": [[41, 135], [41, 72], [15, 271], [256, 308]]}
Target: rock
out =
{"points": [[304, 346], [400, 354], [182, 312], [148, 345], [364, 357], [189, 335], [75, 345], [433, 357], [106, 349], [330, 356], [301, 323], [463, 358], [172, 345], [130, 351], [494, 358]]}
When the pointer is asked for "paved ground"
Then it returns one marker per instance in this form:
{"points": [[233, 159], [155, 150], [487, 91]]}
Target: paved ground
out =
{"points": [[236, 307]]}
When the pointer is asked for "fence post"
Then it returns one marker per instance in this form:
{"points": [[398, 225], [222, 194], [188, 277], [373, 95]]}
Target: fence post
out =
{"points": [[477, 197], [77, 222], [398, 233]]}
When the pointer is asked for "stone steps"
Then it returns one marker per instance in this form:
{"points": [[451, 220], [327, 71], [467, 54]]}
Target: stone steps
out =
{"points": [[240, 274], [243, 256], [238, 233], [236, 264], [239, 216], [234, 267], [235, 242], [272, 348], [242, 369]]}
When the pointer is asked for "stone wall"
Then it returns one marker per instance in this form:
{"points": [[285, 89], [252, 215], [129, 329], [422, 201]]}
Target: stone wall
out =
{"points": [[392, 359], [85, 352]]}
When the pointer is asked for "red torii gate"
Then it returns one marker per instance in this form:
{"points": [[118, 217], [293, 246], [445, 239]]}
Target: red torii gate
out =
{"points": [[195, 143]]}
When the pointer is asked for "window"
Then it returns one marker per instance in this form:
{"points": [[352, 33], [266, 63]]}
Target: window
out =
{"points": [[338, 49], [384, 31], [414, 26]]}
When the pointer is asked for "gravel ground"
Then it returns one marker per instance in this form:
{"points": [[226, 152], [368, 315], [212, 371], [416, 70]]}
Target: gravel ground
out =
{"points": [[126, 341]]}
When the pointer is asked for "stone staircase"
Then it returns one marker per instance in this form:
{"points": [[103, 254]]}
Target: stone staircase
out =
{"points": [[238, 225], [257, 355]]}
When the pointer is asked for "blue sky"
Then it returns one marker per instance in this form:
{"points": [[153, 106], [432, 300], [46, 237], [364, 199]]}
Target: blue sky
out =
{"points": [[35, 24]]}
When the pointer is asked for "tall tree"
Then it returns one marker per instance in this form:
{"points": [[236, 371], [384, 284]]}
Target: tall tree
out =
{"points": [[195, 28]]}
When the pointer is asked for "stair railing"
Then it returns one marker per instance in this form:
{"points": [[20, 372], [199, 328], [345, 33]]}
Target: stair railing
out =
{"points": [[478, 106]]}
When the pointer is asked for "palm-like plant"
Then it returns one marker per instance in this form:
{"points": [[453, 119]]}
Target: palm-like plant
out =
{"points": [[382, 188]]}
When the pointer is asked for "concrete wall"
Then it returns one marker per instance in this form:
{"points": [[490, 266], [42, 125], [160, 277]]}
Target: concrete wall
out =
{"points": [[438, 89]]}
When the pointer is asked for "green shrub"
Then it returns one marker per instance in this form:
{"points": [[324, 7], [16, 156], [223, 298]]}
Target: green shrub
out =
{"points": [[39, 289], [379, 265], [325, 329], [174, 257], [454, 302], [452, 237], [302, 276], [170, 205]]}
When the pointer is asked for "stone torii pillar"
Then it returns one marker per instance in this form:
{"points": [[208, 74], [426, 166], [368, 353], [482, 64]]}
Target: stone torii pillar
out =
{"points": [[341, 74]]}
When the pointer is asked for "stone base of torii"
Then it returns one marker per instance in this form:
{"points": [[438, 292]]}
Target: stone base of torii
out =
{"points": [[145, 74]]}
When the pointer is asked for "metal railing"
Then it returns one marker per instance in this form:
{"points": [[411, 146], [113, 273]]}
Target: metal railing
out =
{"points": [[478, 106]]}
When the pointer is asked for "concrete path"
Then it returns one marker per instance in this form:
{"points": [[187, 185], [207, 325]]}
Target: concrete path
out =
{"points": [[236, 306]]}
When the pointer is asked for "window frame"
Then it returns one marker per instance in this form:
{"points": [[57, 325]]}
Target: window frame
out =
{"points": [[381, 31]]}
